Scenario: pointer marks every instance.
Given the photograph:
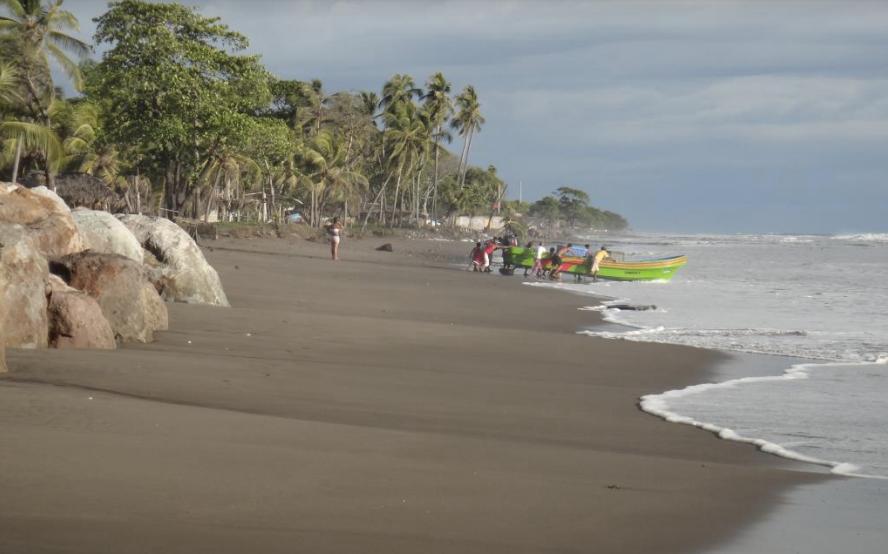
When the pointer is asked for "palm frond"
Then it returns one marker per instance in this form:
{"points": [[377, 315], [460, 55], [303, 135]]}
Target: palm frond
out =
{"points": [[34, 137], [15, 7], [66, 41], [70, 68], [9, 81]]}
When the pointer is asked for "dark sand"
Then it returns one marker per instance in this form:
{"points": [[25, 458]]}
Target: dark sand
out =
{"points": [[379, 404]]}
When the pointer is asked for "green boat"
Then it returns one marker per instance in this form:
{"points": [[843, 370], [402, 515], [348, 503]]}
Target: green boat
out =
{"points": [[615, 270]]}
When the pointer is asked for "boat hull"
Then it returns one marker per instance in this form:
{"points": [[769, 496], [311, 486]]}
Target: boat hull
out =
{"points": [[642, 270]]}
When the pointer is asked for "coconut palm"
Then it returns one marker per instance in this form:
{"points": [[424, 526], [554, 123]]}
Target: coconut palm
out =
{"points": [[399, 89], [369, 105], [467, 122], [24, 136], [326, 170], [225, 167], [102, 162], [10, 82], [408, 134], [439, 108], [40, 31]]}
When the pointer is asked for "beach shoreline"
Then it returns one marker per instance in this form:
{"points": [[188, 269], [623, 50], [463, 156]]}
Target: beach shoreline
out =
{"points": [[391, 402]]}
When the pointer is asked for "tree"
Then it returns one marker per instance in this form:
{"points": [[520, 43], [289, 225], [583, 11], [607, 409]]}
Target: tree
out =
{"points": [[39, 31], [467, 122], [324, 158], [439, 108], [34, 32], [573, 204], [171, 83], [547, 209]]}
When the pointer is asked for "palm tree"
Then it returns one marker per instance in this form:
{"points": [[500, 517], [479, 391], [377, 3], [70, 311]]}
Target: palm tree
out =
{"points": [[369, 104], [325, 159], [38, 32], [225, 166], [9, 84], [467, 122], [27, 136], [408, 133], [313, 110], [439, 108], [397, 90], [103, 162]]}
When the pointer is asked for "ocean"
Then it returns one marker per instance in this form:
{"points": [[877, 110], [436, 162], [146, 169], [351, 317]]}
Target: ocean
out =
{"points": [[819, 301]]}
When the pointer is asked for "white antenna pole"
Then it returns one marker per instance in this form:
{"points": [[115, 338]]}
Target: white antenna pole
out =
{"points": [[520, 191]]}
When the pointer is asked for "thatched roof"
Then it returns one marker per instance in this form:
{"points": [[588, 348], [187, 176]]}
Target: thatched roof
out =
{"points": [[80, 189]]}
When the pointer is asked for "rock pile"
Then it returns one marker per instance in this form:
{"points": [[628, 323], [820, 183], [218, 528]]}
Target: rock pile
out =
{"points": [[82, 279]]}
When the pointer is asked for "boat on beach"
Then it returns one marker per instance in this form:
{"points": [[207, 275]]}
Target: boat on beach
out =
{"points": [[615, 269]]}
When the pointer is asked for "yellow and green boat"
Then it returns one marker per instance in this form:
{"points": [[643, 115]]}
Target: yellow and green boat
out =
{"points": [[616, 270]]}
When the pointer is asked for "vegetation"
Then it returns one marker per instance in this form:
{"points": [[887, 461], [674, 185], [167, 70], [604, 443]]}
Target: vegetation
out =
{"points": [[178, 120], [570, 207]]}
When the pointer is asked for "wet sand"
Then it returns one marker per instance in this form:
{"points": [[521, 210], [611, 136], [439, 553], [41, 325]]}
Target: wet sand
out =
{"points": [[384, 403]]}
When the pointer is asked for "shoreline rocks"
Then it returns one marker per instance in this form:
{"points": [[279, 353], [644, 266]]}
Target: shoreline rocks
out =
{"points": [[23, 273], [184, 274], [104, 233], [86, 279], [76, 319], [44, 215], [128, 301]]}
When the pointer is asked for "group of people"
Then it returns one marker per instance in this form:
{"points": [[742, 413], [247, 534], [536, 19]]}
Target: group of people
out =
{"points": [[483, 251], [482, 254]]}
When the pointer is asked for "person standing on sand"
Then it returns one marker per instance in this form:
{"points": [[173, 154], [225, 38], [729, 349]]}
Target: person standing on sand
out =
{"points": [[334, 231], [596, 260]]}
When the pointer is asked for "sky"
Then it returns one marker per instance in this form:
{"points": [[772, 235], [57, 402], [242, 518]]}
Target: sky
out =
{"points": [[719, 116]]}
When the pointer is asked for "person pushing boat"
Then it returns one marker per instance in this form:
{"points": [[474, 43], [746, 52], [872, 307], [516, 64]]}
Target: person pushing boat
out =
{"points": [[599, 256]]}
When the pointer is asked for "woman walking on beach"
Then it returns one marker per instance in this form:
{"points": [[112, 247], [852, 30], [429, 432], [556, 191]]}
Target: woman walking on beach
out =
{"points": [[334, 230]]}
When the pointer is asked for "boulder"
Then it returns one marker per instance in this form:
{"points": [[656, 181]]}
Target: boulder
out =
{"points": [[119, 285], [156, 315], [187, 277], [45, 217], [102, 232], [76, 319], [50, 195], [23, 273]]}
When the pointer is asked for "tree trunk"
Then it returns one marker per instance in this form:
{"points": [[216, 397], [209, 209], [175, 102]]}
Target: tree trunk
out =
{"points": [[136, 182], [462, 181], [15, 164], [462, 157], [379, 195], [397, 191], [435, 181]]}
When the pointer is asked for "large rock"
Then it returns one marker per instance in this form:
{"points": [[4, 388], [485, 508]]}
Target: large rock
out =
{"points": [[76, 319], [44, 215], [188, 276], [128, 301], [23, 273], [104, 233]]}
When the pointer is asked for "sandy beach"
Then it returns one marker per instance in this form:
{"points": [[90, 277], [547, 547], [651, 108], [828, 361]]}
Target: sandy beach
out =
{"points": [[389, 402]]}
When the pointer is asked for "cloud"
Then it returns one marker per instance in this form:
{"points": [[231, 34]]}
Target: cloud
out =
{"points": [[677, 102]]}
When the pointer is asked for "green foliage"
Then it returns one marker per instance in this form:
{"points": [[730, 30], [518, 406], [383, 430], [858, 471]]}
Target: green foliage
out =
{"points": [[571, 206], [175, 111], [170, 83]]}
